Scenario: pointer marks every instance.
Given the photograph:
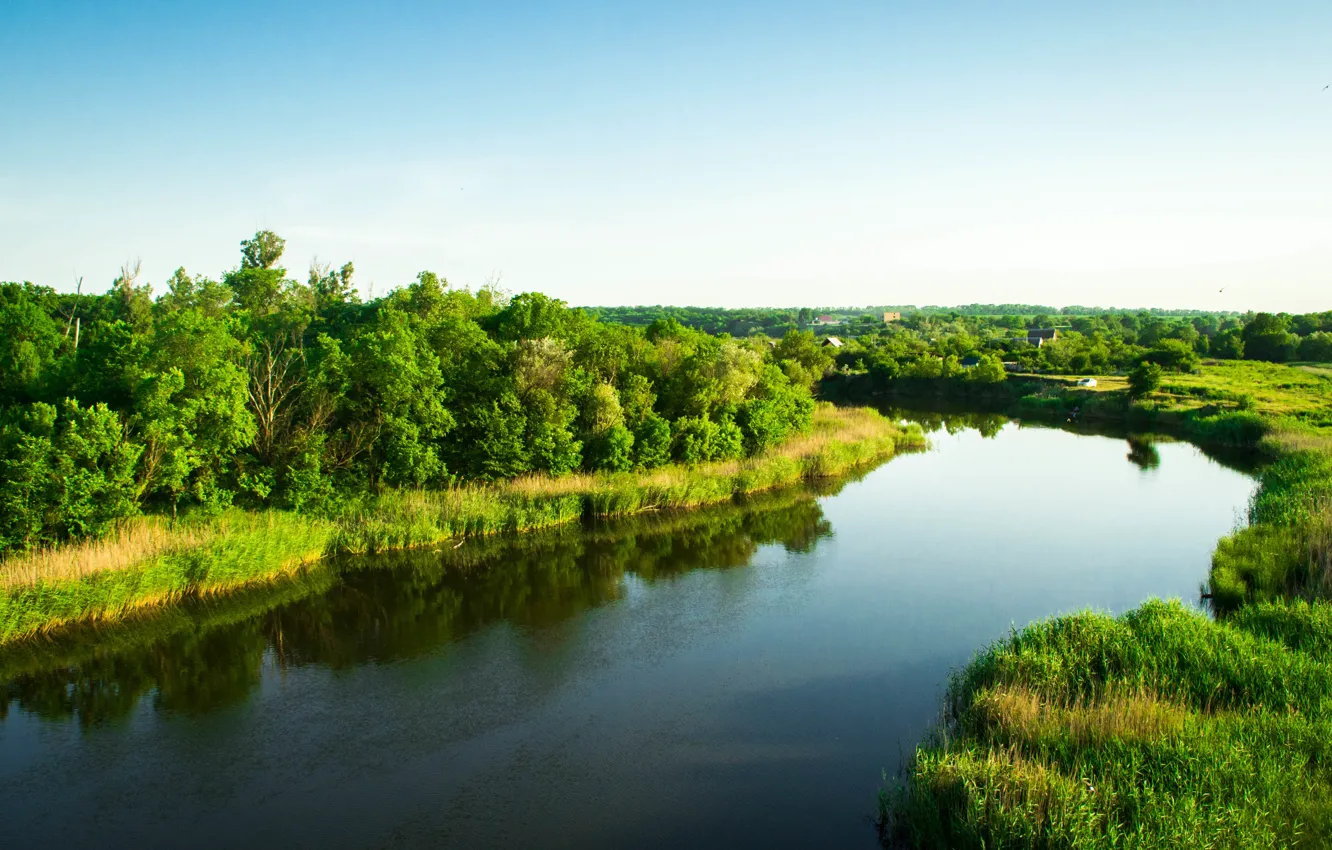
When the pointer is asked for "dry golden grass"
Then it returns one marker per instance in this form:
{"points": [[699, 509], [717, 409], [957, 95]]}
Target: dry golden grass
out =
{"points": [[1117, 714], [141, 540], [131, 544]]}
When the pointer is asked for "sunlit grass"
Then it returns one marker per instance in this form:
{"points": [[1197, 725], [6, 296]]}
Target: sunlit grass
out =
{"points": [[1159, 729]]}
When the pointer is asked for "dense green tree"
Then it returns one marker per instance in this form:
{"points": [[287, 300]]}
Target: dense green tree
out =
{"points": [[1174, 355], [1145, 378], [1317, 346], [30, 344], [1266, 337]]}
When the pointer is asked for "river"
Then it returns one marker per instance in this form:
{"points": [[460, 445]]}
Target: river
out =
{"points": [[732, 677]]}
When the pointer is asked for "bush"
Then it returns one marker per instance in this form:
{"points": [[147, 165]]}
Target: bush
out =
{"points": [[1145, 378], [1174, 355], [613, 451], [652, 442], [694, 439]]}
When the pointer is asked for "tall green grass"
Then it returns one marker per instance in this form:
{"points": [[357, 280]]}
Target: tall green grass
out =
{"points": [[232, 551], [1159, 729]]}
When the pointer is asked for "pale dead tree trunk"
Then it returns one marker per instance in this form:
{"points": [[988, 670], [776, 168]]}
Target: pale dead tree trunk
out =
{"points": [[129, 275], [274, 380], [78, 290]]}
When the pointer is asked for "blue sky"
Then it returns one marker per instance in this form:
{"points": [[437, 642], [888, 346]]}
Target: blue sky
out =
{"points": [[1137, 153]]}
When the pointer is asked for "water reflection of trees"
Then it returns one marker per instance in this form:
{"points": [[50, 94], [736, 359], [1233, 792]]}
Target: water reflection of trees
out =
{"points": [[395, 606], [952, 422], [1142, 453], [1142, 446]]}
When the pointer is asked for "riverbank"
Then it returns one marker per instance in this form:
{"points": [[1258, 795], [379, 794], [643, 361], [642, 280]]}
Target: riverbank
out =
{"points": [[1163, 727], [532, 572], [152, 562]]}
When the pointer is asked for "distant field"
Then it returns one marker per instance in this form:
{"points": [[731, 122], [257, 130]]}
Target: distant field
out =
{"points": [[1302, 391]]}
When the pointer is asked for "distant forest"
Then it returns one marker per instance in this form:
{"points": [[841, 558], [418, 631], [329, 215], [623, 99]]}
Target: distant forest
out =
{"points": [[775, 321]]}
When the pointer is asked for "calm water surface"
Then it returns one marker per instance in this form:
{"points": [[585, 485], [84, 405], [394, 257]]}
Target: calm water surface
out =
{"points": [[737, 676]]}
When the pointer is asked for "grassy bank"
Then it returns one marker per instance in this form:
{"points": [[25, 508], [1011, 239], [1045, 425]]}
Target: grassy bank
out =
{"points": [[1162, 728], [211, 651], [151, 562]]}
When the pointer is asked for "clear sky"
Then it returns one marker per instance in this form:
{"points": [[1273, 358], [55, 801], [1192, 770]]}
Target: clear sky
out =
{"points": [[1130, 153]]}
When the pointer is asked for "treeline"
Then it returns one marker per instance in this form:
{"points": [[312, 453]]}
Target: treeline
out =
{"points": [[776, 321], [261, 390], [931, 347]]}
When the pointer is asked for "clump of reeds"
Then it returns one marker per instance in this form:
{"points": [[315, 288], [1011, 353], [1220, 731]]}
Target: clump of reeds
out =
{"points": [[1161, 728]]}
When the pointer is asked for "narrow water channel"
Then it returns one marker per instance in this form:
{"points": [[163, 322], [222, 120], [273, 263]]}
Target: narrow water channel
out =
{"points": [[738, 676]]}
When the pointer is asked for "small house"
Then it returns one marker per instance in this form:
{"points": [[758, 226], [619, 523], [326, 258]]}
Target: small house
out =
{"points": [[826, 319], [1040, 336], [889, 318], [1012, 366], [970, 362], [1086, 382], [832, 342]]}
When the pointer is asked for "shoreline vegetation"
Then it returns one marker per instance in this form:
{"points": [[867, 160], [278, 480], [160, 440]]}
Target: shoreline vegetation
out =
{"points": [[1162, 727], [417, 599], [151, 561]]}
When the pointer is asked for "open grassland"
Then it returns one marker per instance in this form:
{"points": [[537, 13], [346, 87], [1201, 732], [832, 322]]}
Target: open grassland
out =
{"points": [[151, 561], [1162, 728], [1271, 390]]}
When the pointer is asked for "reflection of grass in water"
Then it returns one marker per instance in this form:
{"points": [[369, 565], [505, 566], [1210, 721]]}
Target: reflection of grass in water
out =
{"points": [[71, 670], [150, 562], [401, 604]]}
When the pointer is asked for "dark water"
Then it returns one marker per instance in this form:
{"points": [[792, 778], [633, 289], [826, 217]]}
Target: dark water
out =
{"points": [[738, 676]]}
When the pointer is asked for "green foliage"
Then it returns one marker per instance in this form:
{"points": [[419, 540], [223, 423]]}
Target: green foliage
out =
{"points": [[1145, 378], [268, 391], [1317, 347], [1174, 355], [990, 370], [612, 450], [30, 342], [652, 442], [694, 439], [65, 476], [1266, 337]]}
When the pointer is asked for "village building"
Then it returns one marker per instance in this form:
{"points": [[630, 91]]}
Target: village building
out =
{"points": [[1040, 336], [832, 342], [889, 318]]}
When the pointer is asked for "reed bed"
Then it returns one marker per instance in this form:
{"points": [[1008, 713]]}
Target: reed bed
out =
{"points": [[231, 551], [152, 561]]}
